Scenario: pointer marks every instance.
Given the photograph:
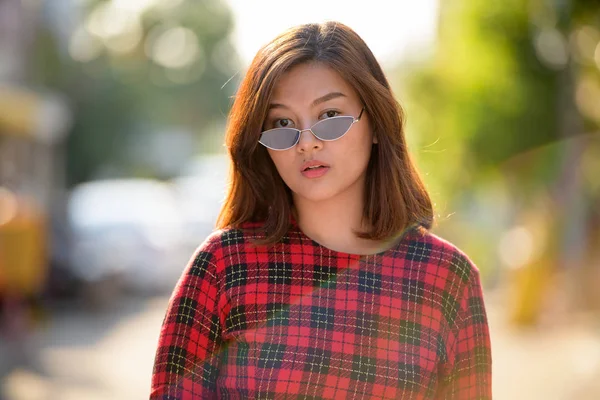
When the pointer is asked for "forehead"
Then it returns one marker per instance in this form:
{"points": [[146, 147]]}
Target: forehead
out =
{"points": [[308, 81]]}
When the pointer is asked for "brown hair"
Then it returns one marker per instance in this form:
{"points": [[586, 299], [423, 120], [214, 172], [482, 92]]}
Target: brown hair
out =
{"points": [[395, 196]]}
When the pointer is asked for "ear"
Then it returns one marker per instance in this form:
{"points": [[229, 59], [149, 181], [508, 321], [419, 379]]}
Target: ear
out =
{"points": [[375, 140]]}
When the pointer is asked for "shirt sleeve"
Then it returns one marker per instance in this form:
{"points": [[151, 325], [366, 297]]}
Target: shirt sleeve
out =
{"points": [[186, 364], [471, 375]]}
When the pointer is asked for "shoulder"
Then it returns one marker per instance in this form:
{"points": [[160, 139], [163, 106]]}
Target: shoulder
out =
{"points": [[221, 244], [453, 277], [425, 246], [245, 234]]}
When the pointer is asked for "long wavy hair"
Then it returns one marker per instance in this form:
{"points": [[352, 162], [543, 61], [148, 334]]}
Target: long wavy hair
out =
{"points": [[395, 196]]}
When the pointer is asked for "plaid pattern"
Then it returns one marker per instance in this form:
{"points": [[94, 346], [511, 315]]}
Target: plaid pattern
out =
{"points": [[297, 320]]}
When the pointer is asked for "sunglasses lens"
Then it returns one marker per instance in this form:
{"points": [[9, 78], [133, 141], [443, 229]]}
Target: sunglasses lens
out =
{"points": [[332, 128], [327, 129], [279, 139]]}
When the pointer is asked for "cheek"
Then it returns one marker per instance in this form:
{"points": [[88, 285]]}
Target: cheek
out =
{"points": [[359, 148], [281, 160]]}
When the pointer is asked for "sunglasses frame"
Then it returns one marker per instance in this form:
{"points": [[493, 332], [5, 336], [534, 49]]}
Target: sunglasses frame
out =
{"points": [[299, 131]]}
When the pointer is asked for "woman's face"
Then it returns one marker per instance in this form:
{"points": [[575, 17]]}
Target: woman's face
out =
{"points": [[303, 96]]}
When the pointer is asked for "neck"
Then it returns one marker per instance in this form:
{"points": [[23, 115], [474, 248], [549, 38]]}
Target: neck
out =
{"points": [[332, 222]]}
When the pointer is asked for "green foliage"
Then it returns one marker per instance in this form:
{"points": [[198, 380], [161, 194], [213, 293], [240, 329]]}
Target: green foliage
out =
{"points": [[120, 96], [495, 116], [488, 96]]}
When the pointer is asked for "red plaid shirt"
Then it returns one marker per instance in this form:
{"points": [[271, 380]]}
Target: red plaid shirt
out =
{"points": [[298, 320]]}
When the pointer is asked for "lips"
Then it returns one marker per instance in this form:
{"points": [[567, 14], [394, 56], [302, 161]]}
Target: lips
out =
{"points": [[314, 169], [313, 165]]}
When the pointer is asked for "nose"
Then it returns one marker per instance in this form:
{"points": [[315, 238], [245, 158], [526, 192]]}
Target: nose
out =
{"points": [[308, 141]]}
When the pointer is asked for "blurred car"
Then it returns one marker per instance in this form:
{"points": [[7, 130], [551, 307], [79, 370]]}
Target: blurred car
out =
{"points": [[126, 229], [200, 190]]}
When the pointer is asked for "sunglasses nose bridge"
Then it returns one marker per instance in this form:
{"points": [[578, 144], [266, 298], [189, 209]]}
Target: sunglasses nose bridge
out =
{"points": [[305, 130], [305, 142], [300, 131]]}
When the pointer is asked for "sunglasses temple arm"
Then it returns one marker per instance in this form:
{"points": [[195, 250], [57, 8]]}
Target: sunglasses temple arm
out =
{"points": [[360, 115]]}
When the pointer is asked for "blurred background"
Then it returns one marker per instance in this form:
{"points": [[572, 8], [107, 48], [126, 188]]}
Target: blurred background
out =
{"points": [[112, 116]]}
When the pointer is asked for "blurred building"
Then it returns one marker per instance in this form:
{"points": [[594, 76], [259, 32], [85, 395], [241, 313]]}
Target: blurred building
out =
{"points": [[33, 125]]}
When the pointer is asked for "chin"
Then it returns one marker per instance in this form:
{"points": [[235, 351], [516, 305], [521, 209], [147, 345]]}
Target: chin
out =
{"points": [[315, 194]]}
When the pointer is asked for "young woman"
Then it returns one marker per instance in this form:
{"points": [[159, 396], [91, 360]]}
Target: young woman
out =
{"points": [[323, 280]]}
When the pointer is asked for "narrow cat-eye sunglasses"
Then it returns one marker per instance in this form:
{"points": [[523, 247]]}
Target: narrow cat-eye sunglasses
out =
{"points": [[328, 129]]}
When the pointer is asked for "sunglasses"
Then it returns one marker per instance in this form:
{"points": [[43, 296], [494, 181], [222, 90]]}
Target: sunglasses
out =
{"points": [[327, 129]]}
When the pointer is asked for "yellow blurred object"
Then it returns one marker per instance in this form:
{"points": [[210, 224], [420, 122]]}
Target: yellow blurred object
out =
{"points": [[527, 293], [23, 246], [41, 116], [17, 110]]}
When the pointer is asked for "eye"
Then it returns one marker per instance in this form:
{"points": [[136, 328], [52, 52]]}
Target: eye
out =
{"points": [[329, 114], [283, 123]]}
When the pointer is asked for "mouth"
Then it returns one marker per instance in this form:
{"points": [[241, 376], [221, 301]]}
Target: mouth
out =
{"points": [[315, 170], [314, 167]]}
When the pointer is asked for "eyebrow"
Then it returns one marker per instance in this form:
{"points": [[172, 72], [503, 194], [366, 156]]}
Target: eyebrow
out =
{"points": [[316, 102]]}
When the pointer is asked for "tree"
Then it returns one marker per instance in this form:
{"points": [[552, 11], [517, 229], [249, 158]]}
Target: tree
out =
{"points": [[502, 116], [131, 71]]}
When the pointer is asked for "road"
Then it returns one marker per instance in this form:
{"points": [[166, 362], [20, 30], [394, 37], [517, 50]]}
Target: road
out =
{"points": [[108, 354]]}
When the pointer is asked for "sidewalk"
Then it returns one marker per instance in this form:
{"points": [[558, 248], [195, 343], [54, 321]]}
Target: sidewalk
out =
{"points": [[555, 361]]}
